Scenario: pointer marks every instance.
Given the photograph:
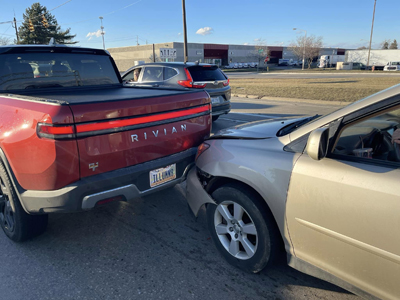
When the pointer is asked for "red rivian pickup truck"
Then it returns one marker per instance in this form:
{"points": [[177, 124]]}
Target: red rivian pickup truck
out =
{"points": [[73, 137]]}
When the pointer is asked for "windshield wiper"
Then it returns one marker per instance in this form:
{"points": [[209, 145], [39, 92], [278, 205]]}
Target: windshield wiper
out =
{"points": [[295, 125]]}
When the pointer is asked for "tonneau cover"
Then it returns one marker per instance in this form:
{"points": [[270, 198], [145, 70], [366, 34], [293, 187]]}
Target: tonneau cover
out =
{"points": [[99, 94]]}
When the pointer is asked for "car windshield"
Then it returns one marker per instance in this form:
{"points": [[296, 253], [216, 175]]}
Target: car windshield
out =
{"points": [[42, 70]]}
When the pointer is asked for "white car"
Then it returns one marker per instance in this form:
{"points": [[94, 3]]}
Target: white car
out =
{"points": [[245, 65]]}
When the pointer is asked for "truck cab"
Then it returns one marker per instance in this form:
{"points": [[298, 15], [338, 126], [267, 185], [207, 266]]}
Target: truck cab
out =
{"points": [[392, 66]]}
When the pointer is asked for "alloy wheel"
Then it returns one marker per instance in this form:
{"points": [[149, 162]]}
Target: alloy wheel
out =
{"points": [[236, 230]]}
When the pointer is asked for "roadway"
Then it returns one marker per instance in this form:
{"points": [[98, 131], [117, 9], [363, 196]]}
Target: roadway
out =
{"points": [[151, 249], [311, 75]]}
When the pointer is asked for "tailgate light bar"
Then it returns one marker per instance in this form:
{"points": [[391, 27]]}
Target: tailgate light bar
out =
{"points": [[90, 127], [45, 130]]}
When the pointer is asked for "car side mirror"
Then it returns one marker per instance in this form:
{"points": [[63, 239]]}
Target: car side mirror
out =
{"points": [[317, 144]]}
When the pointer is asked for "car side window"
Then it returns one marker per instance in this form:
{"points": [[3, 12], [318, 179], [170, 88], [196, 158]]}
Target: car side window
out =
{"points": [[377, 137], [169, 73], [129, 76], [152, 74]]}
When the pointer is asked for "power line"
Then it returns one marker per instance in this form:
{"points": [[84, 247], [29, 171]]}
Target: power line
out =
{"points": [[113, 12]]}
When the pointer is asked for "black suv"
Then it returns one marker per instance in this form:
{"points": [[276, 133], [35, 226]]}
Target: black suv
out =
{"points": [[184, 76]]}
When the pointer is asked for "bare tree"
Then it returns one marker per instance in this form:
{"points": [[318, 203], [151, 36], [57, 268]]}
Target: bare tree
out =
{"points": [[362, 48], [157, 59], [260, 52], [310, 46], [5, 41]]}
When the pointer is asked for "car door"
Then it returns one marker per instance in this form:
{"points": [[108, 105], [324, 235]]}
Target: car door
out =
{"points": [[343, 211]]}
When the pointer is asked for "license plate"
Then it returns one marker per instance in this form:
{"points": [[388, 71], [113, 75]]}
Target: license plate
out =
{"points": [[215, 100], [162, 175]]}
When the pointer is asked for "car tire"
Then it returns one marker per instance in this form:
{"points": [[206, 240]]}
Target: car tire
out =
{"points": [[249, 241], [215, 118], [16, 223]]}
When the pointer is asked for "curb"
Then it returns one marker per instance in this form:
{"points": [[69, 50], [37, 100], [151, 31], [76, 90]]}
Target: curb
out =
{"points": [[323, 102]]}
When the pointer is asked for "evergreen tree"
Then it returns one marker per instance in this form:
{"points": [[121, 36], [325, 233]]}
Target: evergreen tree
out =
{"points": [[393, 45], [37, 16], [385, 45]]}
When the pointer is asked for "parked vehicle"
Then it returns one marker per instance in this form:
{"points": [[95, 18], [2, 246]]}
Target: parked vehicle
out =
{"points": [[283, 62], [252, 65], [235, 65], [377, 58], [245, 65], [326, 61], [240, 65], [189, 76], [324, 187], [392, 66], [77, 138]]}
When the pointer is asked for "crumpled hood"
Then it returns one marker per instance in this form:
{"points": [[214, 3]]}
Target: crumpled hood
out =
{"points": [[254, 130]]}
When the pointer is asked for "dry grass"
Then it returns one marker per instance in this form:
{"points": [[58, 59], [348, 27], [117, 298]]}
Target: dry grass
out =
{"points": [[338, 89]]}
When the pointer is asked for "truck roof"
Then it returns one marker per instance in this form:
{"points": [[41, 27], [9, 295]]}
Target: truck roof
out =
{"points": [[54, 48]]}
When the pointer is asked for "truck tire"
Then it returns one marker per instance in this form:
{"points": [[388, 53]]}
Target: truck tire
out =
{"points": [[215, 118], [249, 238], [16, 223]]}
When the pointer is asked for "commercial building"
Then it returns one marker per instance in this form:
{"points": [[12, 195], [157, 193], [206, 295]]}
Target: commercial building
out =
{"points": [[221, 54]]}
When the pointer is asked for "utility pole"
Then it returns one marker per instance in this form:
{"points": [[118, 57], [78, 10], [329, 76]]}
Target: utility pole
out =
{"points": [[372, 30], [185, 54], [154, 54], [137, 40], [102, 32], [16, 30]]}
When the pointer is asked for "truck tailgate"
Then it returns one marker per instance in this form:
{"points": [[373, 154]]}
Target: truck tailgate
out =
{"points": [[116, 128]]}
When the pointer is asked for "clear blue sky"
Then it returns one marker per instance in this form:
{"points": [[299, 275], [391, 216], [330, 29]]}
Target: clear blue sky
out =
{"points": [[341, 23]]}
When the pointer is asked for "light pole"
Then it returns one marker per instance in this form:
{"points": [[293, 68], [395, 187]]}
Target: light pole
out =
{"points": [[102, 32], [185, 52], [370, 39], [304, 47]]}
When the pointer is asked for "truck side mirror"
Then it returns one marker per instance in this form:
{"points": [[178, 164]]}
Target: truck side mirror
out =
{"points": [[317, 144]]}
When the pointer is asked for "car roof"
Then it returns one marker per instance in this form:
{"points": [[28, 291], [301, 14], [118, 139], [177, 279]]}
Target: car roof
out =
{"points": [[169, 64]]}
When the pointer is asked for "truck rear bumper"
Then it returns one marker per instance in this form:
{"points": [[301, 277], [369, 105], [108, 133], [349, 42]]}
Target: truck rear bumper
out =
{"points": [[122, 184]]}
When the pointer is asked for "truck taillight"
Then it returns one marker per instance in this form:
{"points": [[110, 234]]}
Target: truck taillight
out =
{"points": [[226, 83], [56, 132]]}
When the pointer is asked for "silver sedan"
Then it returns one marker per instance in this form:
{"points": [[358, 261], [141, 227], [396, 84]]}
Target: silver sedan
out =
{"points": [[324, 188]]}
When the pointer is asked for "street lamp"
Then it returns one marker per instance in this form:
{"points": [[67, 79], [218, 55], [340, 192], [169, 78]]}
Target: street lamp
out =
{"points": [[102, 32], [304, 48]]}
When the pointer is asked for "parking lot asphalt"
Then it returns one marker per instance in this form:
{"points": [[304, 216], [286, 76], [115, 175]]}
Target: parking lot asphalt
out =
{"points": [[152, 248]]}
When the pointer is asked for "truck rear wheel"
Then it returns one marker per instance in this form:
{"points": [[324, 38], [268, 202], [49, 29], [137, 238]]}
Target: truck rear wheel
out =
{"points": [[16, 223]]}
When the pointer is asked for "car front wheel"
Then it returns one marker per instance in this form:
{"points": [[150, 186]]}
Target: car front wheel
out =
{"points": [[242, 229]]}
